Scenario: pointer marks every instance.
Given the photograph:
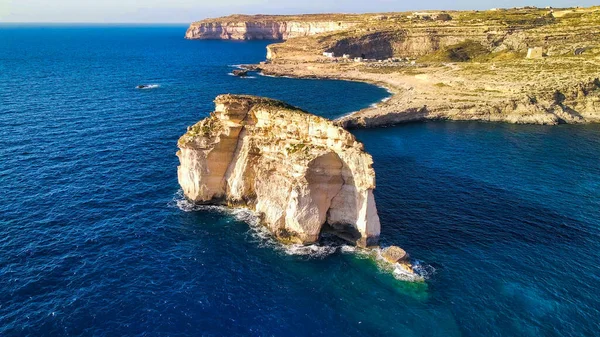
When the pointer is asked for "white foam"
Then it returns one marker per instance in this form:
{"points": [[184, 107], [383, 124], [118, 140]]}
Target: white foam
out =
{"points": [[420, 273], [257, 232], [232, 74], [263, 238], [278, 76], [385, 99], [149, 86]]}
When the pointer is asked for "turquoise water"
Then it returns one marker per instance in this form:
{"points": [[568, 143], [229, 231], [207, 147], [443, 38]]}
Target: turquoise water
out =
{"points": [[95, 238]]}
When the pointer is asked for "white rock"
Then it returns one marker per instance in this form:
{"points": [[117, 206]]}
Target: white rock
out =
{"points": [[299, 171]]}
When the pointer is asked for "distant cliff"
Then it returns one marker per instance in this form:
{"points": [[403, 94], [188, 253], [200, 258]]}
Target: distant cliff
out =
{"points": [[300, 172], [261, 27]]}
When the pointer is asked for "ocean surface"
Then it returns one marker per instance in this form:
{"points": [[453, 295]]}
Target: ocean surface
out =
{"points": [[96, 239]]}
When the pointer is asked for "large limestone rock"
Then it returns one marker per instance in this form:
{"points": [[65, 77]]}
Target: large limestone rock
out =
{"points": [[300, 172]]}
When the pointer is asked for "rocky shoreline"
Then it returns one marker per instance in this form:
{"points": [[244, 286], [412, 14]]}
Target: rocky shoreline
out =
{"points": [[425, 96], [524, 65]]}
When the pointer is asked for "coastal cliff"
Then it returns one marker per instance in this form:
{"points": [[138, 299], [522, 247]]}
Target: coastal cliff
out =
{"points": [[261, 27], [571, 104], [523, 65], [301, 173]]}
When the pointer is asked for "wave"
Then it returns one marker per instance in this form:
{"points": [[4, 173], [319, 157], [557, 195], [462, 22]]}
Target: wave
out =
{"points": [[420, 270], [279, 76], [257, 232], [385, 99], [329, 244], [147, 86], [232, 74]]}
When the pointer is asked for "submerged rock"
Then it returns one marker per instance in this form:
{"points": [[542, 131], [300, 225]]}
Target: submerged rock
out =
{"points": [[240, 72], [251, 67], [297, 170]]}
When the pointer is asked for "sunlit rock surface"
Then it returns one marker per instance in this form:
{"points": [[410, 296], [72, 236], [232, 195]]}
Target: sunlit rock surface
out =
{"points": [[300, 172]]}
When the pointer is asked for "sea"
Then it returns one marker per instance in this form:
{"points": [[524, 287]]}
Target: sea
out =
{"points": [[97, 240]]}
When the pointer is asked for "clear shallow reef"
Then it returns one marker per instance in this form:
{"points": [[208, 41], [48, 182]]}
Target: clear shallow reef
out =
{"points": [[96, 240]]}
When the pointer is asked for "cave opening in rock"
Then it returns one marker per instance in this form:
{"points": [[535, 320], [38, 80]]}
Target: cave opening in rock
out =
{"points": [[332, 190]]}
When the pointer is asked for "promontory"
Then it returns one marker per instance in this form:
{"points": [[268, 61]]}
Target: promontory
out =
{"points": [[301, 173], [519, 65]]}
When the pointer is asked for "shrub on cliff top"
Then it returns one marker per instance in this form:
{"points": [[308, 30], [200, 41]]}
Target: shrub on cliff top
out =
{"points": [[461, 52]]}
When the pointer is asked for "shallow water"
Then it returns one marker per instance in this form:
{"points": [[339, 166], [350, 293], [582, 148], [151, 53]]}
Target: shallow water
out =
{"points": [[95, 238]]}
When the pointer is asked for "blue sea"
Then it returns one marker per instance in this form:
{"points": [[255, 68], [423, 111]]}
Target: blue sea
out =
{"points": [[96, 239]]}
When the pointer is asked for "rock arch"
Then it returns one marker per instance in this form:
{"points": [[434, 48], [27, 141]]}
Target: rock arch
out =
{"points": [[310, 200], [297, 170]]}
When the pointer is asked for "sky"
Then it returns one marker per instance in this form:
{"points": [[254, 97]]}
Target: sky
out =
{"points": [[185, 11]]}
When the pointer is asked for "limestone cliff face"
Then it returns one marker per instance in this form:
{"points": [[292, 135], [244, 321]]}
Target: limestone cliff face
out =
{"points": [[260, 29], [403, 35], [410, 42], [300, 172], [573, 104]]}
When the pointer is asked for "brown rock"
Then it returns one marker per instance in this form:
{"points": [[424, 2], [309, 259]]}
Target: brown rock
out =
{"points": [[240, 73], [395, 254]]}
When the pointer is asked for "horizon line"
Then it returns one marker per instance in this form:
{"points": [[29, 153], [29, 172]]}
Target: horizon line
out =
{"points": [[90, 23], [264, 14]]}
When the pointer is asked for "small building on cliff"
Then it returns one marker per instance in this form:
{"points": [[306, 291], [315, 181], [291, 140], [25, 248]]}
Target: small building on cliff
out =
{"points": [[535, 53]]}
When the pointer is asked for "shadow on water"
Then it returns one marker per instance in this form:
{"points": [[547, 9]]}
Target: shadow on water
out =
{"points": [[498, 251], [487, 214], [345, 287]]}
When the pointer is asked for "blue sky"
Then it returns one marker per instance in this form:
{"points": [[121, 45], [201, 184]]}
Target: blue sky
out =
{"points": [[183, 11]]}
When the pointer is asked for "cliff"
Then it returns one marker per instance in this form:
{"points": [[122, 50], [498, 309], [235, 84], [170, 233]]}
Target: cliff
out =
{"points": [[454, 65], [300, 172], [563, 104], [474, 67], [261, 27]]}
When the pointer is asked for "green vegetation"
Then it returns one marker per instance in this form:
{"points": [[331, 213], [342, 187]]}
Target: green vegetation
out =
{"points": [[506, 55], [462, 52], [300, 149], [293, 148], [204, 128], [513, 17]]}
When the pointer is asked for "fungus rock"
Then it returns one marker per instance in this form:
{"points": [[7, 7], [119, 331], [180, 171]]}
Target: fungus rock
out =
{"points": [[299, 172]]}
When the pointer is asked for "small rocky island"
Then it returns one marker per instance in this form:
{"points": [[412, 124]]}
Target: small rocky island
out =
{"points": [[301, 173]]}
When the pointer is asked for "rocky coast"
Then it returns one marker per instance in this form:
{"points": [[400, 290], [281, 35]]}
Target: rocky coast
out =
{"points": [[526, 65]]}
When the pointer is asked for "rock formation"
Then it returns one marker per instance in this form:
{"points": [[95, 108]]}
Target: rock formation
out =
{"points": [[299, 172], [240, 72], [572, 104], [262, 27], [394, 254]]}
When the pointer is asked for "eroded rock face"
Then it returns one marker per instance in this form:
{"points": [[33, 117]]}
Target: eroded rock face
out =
{"points": [[260, 29], [300, 172]]}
